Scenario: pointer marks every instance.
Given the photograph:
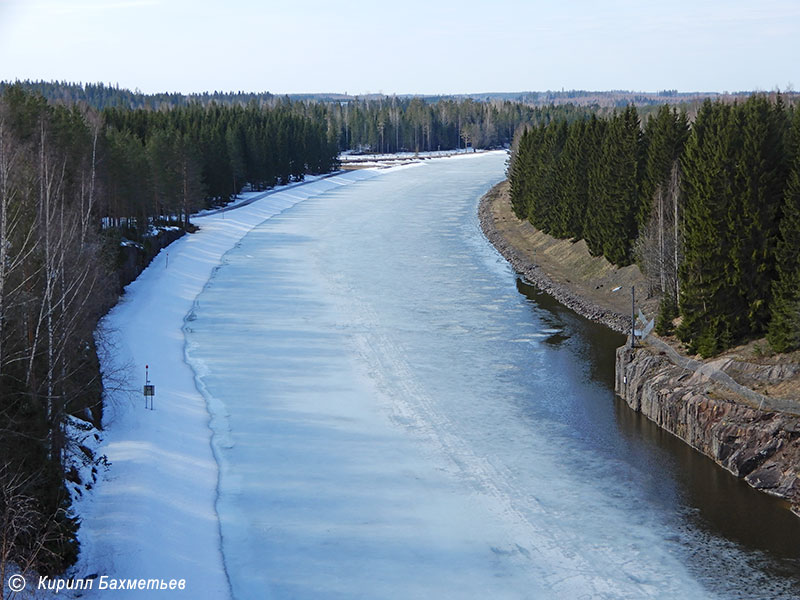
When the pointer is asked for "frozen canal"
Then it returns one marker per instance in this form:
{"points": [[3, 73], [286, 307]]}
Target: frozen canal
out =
{"points": [[395, 415]]}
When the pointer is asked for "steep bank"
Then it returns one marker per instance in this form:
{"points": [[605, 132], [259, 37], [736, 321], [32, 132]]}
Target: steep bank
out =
{"points": [[134, 257], [754, 436], [748, 436]]}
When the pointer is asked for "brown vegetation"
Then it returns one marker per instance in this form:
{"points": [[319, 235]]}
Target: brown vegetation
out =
{"points": [[566, 263]]}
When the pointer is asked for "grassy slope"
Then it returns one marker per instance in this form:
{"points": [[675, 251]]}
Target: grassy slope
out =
{"points": [[569, 263]]}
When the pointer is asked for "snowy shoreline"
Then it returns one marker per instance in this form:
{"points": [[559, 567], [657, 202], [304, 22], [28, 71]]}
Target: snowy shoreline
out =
{"points": [[152, 514]]}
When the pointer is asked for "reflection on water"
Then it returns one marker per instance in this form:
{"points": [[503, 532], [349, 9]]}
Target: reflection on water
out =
{"points": [[716, 502]]}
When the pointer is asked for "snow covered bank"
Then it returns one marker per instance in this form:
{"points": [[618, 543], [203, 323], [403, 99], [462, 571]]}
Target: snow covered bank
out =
{"points": [[152, 515], [363, 161], [246, 198]]}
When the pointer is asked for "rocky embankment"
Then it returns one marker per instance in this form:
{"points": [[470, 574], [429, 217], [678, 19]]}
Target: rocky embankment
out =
{"points": [[712, 406], [532, 272], [750, 439]]}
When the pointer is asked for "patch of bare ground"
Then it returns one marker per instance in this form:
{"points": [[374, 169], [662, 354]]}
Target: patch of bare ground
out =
{"points": [[564, 266]]}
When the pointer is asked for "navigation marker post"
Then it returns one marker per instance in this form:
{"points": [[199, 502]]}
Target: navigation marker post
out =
{"points": [[633, 316], [149, 389], [633, 313]]}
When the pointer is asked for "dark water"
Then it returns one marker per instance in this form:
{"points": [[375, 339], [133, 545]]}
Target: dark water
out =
{"points": [[398, 415], [707, 503]]}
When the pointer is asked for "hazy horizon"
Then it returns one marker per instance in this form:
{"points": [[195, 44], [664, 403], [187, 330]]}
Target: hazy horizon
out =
{"points": [[335, 93], [423, 48]]}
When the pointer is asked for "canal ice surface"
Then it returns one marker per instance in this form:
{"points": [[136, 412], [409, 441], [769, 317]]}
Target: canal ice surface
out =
{"points": [[378, 428]]}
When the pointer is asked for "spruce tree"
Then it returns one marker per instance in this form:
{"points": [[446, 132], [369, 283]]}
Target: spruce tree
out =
{"points": [[519, 174], [708, 299], [624, 199], [665, 135], [537, 204], [546, 193], [753, 213], [598, 175], [784, 328], [616, 187], [572, 183]]}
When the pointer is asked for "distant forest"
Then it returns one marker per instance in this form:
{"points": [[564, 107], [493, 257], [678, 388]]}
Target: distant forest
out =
{"points": [[709, 209], [374, 123], [102, 96]]}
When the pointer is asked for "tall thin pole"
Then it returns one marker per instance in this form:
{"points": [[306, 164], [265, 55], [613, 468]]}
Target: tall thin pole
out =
{"points": [[633, 317]]}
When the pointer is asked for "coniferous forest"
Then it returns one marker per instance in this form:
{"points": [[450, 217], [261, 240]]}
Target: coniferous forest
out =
{"points": [[374, 123], [710, 210]]}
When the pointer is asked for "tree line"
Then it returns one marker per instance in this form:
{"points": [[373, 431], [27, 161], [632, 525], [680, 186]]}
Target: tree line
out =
{"points": [[414, 124], [375, 123], [164, 163], [709, 210]]}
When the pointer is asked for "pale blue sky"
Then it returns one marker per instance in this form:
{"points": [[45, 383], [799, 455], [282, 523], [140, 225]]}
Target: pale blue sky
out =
{"points": [[411, 46]]}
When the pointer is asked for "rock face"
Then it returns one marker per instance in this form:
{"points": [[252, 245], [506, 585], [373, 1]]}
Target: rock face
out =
{"points": [[755, 443]]}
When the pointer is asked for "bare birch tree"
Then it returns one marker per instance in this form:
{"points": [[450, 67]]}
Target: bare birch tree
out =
{"points": [[658, 248]]}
